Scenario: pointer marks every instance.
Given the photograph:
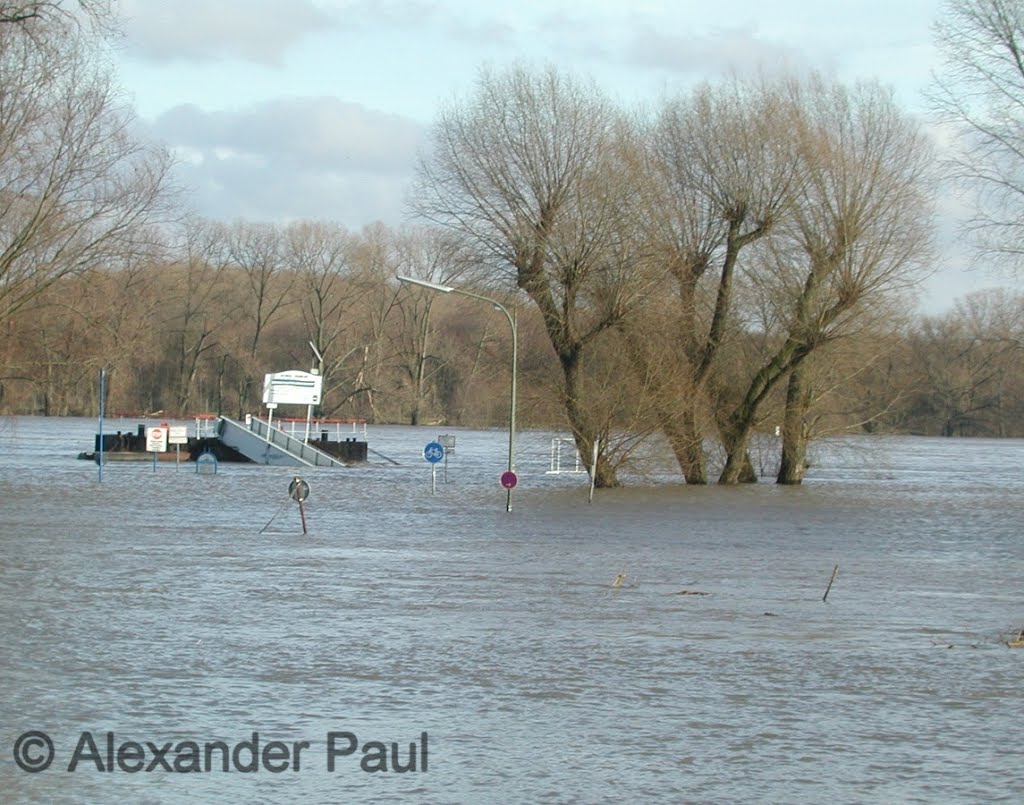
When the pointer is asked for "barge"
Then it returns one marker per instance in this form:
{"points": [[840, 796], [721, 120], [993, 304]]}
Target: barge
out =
{"points": [[284, 442]]}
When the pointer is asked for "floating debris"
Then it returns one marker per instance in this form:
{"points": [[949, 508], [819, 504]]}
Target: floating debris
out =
{"points": [[1017, 641], [621, 579], [690, 592]]}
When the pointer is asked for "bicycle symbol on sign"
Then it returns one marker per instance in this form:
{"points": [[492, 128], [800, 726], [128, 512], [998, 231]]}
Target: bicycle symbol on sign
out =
{"points": [[433, 452]]}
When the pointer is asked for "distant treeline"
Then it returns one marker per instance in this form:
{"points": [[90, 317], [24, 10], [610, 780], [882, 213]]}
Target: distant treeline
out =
{"points": [[197, 335]]}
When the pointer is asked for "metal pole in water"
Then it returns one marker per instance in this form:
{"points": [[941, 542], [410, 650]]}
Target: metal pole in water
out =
{"points": [[433, 479], [302, 514], [593, 472], [515, 361], [103, 394]]}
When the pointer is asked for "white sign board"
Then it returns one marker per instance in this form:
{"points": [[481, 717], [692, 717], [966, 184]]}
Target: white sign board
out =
{"points": [[177, 434], [156, 440], [292, 388]]}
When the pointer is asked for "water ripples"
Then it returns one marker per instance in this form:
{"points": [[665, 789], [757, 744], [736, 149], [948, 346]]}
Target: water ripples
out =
{"points": [[151, 605]]}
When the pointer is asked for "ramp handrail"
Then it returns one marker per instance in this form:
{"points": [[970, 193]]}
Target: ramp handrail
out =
{"points": [[304, 452]]}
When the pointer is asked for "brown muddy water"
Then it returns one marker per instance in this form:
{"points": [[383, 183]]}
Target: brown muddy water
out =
{"points": [[151, 607]]}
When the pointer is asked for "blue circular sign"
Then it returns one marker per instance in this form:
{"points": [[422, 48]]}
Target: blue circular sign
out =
{"points": [[433, 452]]}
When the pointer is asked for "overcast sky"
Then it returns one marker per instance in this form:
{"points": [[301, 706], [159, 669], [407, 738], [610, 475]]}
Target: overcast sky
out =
{"points": [[288, 109]]}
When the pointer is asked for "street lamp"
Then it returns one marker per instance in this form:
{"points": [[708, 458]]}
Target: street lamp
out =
{"points": [[433, 286]]}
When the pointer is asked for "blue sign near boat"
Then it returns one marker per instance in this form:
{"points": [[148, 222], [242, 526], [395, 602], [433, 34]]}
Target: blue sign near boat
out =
{"points": [[433, 452]]}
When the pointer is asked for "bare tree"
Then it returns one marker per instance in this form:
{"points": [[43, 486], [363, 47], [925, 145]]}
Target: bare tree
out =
{"points": [[980, 93], [859, 232], [197, 303], [77, 189], [320, 254], [968, 365], [257, 251], [724, 167], [435, 256], [533, 172], [360, 369]]}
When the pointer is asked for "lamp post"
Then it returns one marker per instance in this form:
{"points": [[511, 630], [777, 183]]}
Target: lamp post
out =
{"points": [[433, 286], [316, 369]]}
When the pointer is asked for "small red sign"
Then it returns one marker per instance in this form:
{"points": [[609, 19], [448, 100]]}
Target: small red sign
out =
{"points": [[509, 479]]}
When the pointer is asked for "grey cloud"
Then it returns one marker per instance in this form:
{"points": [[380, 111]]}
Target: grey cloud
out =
{"points": [[294, 158], [721, 50], [200, 30]]}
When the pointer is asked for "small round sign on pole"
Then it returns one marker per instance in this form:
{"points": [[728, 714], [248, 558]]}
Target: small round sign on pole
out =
{"points": [[509, 479], [433, 452], [298, 490]]}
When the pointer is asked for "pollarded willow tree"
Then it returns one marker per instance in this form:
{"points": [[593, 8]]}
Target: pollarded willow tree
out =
{"points": [[535, 173], [980, 93], [805, 200], [78, 190], [857, 235], [723, 170]]}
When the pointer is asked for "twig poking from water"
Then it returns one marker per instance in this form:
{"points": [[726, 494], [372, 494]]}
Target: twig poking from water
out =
{"points": [[834, 571], [1018, 641], [620, 580]]}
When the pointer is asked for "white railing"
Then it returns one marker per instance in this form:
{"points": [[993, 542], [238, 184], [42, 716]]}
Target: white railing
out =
{"points": [[557, 445], [337, 429], [206, 426], [293, 445]]}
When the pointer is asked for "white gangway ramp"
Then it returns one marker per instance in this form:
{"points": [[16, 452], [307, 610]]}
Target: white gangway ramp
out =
{"points": [[264, 444]]}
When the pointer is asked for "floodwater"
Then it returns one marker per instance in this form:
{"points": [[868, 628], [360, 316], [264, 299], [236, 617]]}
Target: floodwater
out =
{"points": [[168, 607]]}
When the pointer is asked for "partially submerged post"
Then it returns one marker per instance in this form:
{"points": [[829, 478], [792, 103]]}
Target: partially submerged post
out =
{"points": [[593, 471], [103, 397], [835, 570], [298, 490]]}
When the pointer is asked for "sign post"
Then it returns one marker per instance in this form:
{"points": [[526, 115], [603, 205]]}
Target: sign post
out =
{"points": [[448, 443], [103, 396], [292, 388], [177, 435], [433, 453], [156, 441], [298, 490], [509, 480]]}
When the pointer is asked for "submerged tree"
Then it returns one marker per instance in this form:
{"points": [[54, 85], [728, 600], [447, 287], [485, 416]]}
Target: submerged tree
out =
{"points": [[858, 233], [724, 167], [534, 172]]}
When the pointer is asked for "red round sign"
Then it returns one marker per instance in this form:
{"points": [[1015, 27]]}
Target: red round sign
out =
{"points": [[509, 479]]}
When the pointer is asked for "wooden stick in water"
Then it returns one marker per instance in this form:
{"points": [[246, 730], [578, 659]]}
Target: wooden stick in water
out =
{"points": [[834, 571]]}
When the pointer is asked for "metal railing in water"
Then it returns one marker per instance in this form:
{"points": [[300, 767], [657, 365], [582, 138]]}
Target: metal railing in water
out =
{"points": [[293, 445], [336, 429]]}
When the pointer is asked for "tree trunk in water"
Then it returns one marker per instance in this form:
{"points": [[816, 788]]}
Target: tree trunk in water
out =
{"points": [[679, 425], [738, 469], [584, 431], [793, 464], [687, 445]]}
